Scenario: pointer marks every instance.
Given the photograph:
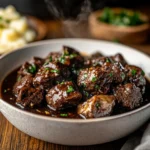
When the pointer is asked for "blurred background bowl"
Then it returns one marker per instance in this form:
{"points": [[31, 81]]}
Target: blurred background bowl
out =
{"points": [[125, 34]]}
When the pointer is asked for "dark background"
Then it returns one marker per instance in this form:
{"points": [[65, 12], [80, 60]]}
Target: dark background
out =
{"points": [[66, 8]]}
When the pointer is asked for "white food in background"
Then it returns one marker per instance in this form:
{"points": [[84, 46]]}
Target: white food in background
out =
{"points": [[14, 30]]}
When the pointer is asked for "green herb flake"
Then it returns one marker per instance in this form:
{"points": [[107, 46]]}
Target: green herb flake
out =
{"points": [[72, 56], [111, 74], [94, 79], [64, 115], [62, 60], [85, 76], [70, 89], [142, 73], [97, 105], [18, 78], [32, 68], [108, 60], [46, 69], [86, 94], [5, 91], [122, 75], [62, 82], [50, 59], [133, 72], [54, 71], [97, 86]]}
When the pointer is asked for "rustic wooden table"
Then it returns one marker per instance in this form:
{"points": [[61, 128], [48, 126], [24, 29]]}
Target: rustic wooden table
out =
{"points": [[13, 139]]}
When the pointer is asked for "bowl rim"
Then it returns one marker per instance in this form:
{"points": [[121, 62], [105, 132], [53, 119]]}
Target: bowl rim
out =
{"points": [[69, 120]]}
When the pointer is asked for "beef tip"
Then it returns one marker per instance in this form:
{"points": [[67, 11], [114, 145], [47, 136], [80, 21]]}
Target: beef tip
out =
{"points": [[93, 79], [63, 95], [99, 79], [129, 96], [30, 97], [30, 68], [116, 71], [24, 82], [97, 106], [119, 58], [53, 57], [71, 58], [49, 74], [136, 75]]}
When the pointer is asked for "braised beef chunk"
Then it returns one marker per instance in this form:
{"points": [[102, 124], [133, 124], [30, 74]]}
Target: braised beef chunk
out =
{"points": [[63, 95], [50, 73], [30, 97], [30, 68], [92, 86], [119, 58], [97, 106], [71, 58], [24, 82], [93, 79], [136, 76], [129, 96]]}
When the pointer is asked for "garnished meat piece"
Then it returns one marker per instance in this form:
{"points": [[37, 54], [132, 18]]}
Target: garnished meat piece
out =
{"points": [[97, 106], [50, 73], [119, 58], [71, 58], [24, 82], [63, 95], [93, 79], [30, 97], [129, 96], [30, 68], [136, 75]]}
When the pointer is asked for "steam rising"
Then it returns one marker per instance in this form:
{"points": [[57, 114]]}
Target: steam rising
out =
{"points": [[77, 27]]}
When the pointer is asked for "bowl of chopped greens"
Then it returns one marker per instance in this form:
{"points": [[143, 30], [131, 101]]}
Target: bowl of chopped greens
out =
{"points": [[119, 24]]}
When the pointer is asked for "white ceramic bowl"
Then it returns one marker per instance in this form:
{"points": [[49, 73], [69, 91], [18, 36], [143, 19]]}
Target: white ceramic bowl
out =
{"points": [[74, 131]]}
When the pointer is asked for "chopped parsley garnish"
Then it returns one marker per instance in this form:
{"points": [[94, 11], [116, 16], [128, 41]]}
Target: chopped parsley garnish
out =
{"points": [[133, 72], [19, 78], [46, 69], [5, 91], [123, 75], [64, 115], [94, 79], [85, 76], [62, 59], [123, 18], [108, 60], [62, 82], [142, 73], [50, 58], [86, 93], [97, 86], [111, 74], [97, 105], [72, 56], [83, 85], [54, 71], [70, 89], [32, 68], [46, 63]]}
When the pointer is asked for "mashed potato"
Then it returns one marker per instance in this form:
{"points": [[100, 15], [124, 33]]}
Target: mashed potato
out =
{"points": [[14, 30]]}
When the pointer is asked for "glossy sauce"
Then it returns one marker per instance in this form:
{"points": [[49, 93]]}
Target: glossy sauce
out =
{"points": [[8, 96]]}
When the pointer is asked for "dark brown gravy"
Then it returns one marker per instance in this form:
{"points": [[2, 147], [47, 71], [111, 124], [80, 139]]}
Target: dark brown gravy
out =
{"points": [[7, 95]]}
